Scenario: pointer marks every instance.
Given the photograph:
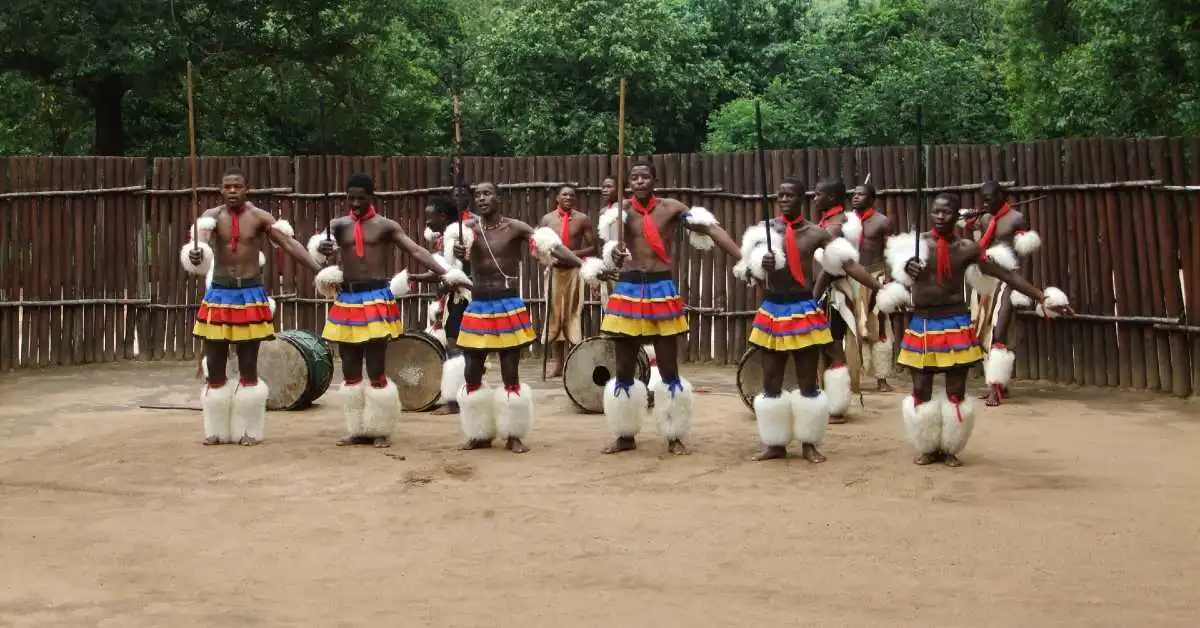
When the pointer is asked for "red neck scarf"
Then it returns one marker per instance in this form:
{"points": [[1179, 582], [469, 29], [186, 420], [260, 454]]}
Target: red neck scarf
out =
{"points": [[649, 229], [565, 230], [793, 249], [867, 215], [360, 248], [830, 213], [235, 214], [986, 240], [466, 213], [943, 256]]}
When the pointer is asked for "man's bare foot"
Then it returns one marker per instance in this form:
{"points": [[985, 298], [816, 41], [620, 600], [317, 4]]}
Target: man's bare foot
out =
{"points": [[354, 440], [623, 443], [475, 444], [249, 442], [884, 386], [450, 408], [677, 447], [836, 419], [515, 445], [383, 443], [555, 369], [212, 440], [811, 454], [772, 452], [993, 397], [950, 460], [925, 459]]}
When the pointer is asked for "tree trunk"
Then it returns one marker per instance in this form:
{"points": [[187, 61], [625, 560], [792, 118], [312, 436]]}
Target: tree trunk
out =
{"points": [[105, 95]]}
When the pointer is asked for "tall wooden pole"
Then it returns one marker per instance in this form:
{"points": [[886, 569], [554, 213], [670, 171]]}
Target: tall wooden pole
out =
{"points": [[621, 169], [192, 142]]}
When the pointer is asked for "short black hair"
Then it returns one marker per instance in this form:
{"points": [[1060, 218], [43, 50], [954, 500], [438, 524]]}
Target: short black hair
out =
{"points": [[361, 180], [234, 171], [642, 163], [566, 186], [951, 198], [993, 187], [444, 205], [833, 186], [495, 188], [868, 188], [794, 182]]}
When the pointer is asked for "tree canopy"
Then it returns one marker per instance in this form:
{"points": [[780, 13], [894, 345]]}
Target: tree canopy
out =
{"points": [[542, 76]]}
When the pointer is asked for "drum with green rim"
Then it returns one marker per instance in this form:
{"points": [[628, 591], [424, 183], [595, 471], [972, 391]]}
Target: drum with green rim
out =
{"points": [[297, 367]]}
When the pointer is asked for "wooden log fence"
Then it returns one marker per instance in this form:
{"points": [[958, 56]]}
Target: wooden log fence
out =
{"points": [[89, 267]]}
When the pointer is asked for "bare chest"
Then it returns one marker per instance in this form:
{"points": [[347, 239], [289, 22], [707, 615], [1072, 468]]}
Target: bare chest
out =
{"points": [[373, 232]]}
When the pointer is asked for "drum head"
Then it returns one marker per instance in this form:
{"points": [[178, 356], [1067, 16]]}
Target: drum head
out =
{"points": [[414, 362], [320, 364], [285, 370], [749, 375], [589, 366]]}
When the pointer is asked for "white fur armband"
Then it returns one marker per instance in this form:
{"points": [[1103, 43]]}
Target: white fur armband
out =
{"points": [[441, 261], [754, 248], [457, 277], [206, 259], [1026, 242], [204, 227], [262, 259], [593, 267], [429, 235], [899, 250], [609, 255], [399, 284], [892, 297], [284, 227], [700, 217], [450, 240], [314, 245], [836, 255], [852, 229], [329, 282], [1020, 300], [1052, 297], [544, 241], [606, 226], [1002, 256]]}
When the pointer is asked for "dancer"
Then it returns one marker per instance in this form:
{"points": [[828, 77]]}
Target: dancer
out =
{"points": [[790, 323], [565, 287], [940, 337], [496, 320], [844, 369], [235, 308], [364, 316], [1003, 229], [446, 311], [874, 327], [645, 306]]}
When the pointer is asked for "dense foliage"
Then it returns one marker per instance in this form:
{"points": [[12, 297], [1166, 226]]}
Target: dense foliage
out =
{"points": [[541, 76]]}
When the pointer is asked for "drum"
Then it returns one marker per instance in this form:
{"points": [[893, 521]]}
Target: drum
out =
{"points": [[297, 367], [414, 362], [750, 379], [590, 365]]}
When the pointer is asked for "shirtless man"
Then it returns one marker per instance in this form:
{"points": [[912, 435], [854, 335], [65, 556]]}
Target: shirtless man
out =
{"points": [[790, 323], [235, 309], [496, 319], [1002, 230], [940, 337], [364, 316], [843, 373], [645, 307], [874, 328], [565, 287], [446, 311]]}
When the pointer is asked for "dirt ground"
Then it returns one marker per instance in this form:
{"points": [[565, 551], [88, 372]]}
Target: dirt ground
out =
{"points": [[1077, 507]]}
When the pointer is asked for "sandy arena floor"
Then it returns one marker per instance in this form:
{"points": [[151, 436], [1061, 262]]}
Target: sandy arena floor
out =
{"points": [[1076, 508]]}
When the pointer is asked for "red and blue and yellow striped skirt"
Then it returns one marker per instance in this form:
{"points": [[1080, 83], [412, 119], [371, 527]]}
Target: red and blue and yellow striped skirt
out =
{"points": [[365, 312], [644, 304], [235, 314], [939, 343], [786, 323], [495, 320]]}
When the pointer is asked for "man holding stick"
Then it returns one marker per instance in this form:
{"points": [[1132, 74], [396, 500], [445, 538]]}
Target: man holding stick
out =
{"points": [[235, 308], [497, 320], [1004, 231], [364, 316], [645, 306], [940, 337], [874, 328], [565, 286], [790, 324]]}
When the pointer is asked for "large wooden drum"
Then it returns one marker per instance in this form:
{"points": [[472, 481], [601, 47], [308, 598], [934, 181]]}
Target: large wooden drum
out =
{"points": [[297, 367], [590, 365], [414, 362], [750, 379]]}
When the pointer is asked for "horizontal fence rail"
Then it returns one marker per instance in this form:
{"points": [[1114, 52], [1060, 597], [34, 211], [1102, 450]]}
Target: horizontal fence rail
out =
{"points": [[89, 268]]}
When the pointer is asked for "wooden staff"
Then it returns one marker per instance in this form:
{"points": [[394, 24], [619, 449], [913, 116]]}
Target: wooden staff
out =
{"points": [[762, 173], [192, 142], [456, 163], [328, 212], [621, 169], [920, 185]]}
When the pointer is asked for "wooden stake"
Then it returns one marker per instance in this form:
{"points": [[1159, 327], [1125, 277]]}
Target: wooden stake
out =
{"points": [[621, 169], [192, 142]]}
